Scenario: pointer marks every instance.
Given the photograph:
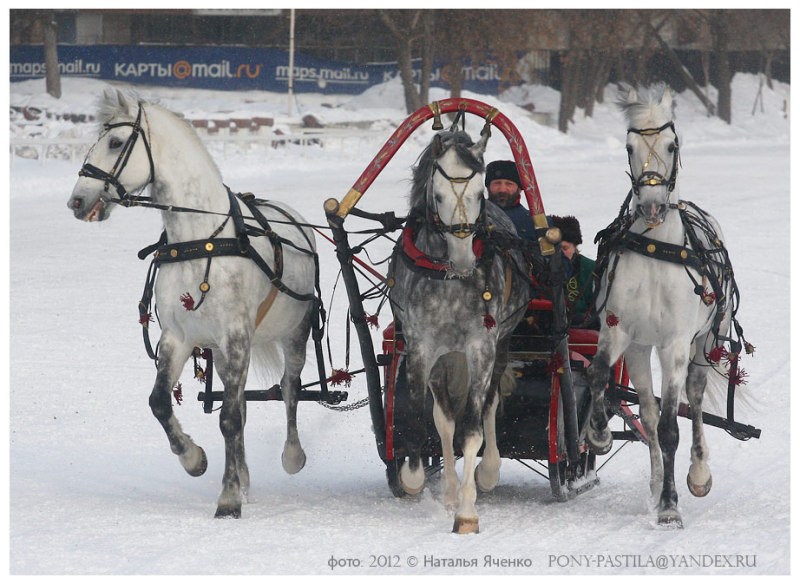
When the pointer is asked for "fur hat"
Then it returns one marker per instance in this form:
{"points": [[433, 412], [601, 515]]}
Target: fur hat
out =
{"points": [[570, 228], [505, 169]]}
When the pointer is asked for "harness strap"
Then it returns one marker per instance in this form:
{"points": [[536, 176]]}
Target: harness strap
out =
{"points": [[660, 250]]}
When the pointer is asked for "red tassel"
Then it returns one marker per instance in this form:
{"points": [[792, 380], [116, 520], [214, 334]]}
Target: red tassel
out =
{"points": [[739, 378], [178, 393], [717, 354], [339, 377], [188, 301], [731, 358], [556, 364], [612, 320], [708, 297], [489, 322], [145, 319], [372, 320], [206, 354]]}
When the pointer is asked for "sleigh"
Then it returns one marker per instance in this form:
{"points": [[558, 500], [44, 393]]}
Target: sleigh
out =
{"points": [[544, 415]]}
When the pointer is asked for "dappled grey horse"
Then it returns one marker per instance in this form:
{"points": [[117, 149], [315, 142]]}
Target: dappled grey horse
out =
{"points": [[458, 297]]}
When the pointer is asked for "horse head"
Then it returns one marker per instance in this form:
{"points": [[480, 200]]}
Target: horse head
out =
{"points": [[121, 158], [452, 170], [653, 153]]}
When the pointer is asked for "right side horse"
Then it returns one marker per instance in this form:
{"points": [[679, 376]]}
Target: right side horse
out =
{"points": [[668, 284], [457, 314]]}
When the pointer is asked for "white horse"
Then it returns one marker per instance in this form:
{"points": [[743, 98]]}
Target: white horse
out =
{"points": [[212, 299], [668, 285]]}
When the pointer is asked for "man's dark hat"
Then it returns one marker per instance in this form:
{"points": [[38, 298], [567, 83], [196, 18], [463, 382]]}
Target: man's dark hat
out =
{"points": [[505, 169], [570, 228]]}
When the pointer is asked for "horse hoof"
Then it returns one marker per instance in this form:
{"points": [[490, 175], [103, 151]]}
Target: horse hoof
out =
{"points": [[698, 490], [293, 460], [486, 484], [228, 513], [465, 525], [198, 465], [599, 442], [411, 482], [670, 519]]}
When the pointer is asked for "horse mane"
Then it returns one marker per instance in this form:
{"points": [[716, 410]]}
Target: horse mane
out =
{"points": [[423, 169], [643, 106]]}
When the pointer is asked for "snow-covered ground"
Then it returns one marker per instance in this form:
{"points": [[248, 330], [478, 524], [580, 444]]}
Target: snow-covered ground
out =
{"points": [[94, 488]]}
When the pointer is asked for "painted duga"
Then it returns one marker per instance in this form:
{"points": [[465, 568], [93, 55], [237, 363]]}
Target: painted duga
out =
{"points": [[457, 318], [669, 286], [206, 296]]}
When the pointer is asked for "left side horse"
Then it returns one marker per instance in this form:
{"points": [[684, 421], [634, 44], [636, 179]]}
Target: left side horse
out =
{"points": [[232, 276], [668, 284], [457, 297]]}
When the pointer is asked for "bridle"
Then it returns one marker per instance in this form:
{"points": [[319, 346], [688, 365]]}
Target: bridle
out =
{"points": [[112, 177], [650, 178], [462, 228]]}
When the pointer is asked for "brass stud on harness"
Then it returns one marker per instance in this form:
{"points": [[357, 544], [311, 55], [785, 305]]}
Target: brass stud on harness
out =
{"points": [[209, 246], [487, 296], [204, 287], [174, 253], [651, 248]]}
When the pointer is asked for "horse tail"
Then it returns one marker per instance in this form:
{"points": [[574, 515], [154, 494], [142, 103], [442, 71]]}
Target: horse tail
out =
{"points": [[267, 361], [718, 381]]}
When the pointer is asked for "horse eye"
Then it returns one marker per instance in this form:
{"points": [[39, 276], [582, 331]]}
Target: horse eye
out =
{"points": [[629, 148], [671, 148], [114, 143]]}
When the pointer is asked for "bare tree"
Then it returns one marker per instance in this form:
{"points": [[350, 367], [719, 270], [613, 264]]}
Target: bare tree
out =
{"points": [[50, 41], [408, 27]]}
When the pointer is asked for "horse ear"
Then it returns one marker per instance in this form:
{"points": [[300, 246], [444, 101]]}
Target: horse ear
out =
{"points": [[666, 99], [480, 147]]}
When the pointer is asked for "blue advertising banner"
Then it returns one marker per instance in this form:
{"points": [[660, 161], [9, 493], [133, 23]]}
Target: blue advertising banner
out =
{"points": [[225, 68]]}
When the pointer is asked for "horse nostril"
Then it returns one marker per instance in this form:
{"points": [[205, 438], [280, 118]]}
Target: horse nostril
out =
{"points": [[77, 203]]}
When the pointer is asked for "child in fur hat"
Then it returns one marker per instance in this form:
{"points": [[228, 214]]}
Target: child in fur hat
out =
{"points": [[580, 287]]}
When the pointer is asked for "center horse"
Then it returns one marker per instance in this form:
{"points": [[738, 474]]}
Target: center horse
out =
{"points": [[668, 284], [250, 265], [457, 297]]}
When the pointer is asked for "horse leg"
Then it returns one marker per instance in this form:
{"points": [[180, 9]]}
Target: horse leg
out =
{"points": [[233, 372], [699, 477], [412, 473], [446, 426], [674, 364], [466, 520], [637, 361], [480, 367], [613, 342], [293, 457], [487, 473], [172, 357]]}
